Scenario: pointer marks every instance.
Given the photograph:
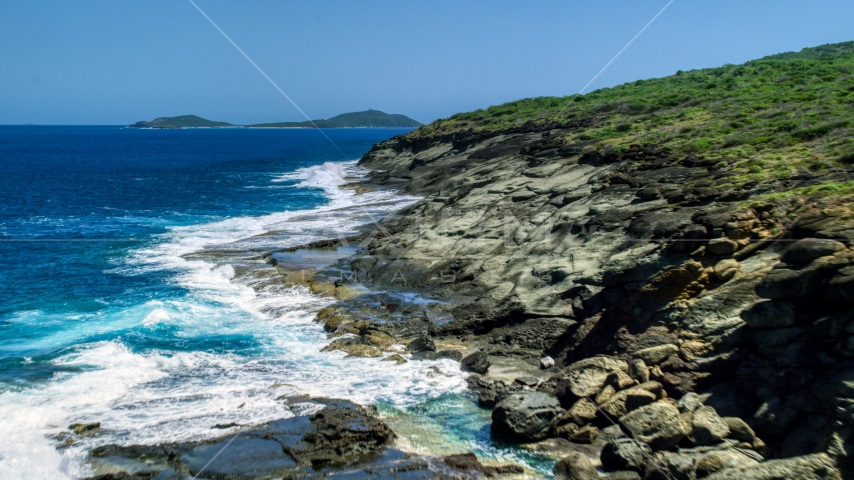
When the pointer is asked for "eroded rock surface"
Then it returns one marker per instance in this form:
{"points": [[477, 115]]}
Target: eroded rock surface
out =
{"points": [[627, 268], [341, 435]]}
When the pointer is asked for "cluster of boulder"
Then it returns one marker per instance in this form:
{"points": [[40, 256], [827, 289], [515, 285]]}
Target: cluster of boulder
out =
{"points": [[637, 429]]}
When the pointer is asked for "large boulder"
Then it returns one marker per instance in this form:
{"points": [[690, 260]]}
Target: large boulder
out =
{"points": [[741, 431], [726, 269], [808, 467], [353, 347], [489, 390], [477, 362], [805, 251], [625, 454], [525, 416], [609, 433], [721, 246], [784, 283], [657, 354], [627, 400], [708, 427], [575, 466], [582, 412], [587, 377], [656, 424], [639, 371], [421, 344], [717, 460], [586, 434], [669, 466], [689, 402]]}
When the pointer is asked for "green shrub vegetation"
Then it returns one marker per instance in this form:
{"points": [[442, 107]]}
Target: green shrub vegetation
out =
{"points": [[764, 119]]}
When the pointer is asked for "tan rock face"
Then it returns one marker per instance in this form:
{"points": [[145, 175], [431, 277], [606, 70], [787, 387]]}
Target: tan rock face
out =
{"points": [[722, 246], [818, 467], [353, 348], [708, 427], [726, 269], [379, 339], [585, 434], [656, 424], [605, 394], [582, 412], [657, 354], [625, 401], [560, 232], [396, 358]]}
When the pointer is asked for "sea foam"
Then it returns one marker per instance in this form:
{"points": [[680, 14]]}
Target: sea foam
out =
{"points": [[169, 394]]}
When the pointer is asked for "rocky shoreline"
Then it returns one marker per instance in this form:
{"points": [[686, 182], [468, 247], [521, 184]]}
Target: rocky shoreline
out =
{"points": [[611, 308], [681, 332]]}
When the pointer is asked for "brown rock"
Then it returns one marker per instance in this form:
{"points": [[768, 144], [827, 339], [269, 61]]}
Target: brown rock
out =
{"points": [[84, 428], [395, 358], [740, 430], [566, 430], [638, 370], [582, 412], [657, 354], [575, 466], [726, 269], [709, 464], [379, 339], [721, 246], [708, 427], [630, 399], [585, 434], [805, 251], [353, 347], [656, 424], [605, 394], [467, 462]]}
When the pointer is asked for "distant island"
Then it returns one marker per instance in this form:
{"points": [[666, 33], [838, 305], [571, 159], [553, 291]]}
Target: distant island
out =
{"points": [[368, 118], [181, 121]]}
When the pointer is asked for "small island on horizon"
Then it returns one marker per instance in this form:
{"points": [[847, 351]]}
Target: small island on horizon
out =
{"points": [[181, 121], [365, 119]]}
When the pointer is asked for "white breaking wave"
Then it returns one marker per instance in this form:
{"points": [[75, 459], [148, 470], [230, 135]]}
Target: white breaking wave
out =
{"points": [[162, 396], [330, 174]]}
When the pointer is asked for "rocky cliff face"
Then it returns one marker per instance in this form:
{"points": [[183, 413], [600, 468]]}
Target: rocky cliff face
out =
{"points": [[545, 248]]}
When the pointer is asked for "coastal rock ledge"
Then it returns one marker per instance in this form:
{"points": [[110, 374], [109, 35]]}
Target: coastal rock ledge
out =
{"points": [[341, 439], [715, 328], [680, 249]]}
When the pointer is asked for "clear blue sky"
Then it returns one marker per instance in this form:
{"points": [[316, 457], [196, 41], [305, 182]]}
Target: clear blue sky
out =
{"points": [[116, 62]]}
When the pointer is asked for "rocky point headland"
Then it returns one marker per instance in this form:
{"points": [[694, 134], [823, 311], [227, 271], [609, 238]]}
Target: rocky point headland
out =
{"points": [[669, 304], [653, 281]]}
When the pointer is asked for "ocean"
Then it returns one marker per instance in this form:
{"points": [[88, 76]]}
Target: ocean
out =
{"points": [[105, 316]]}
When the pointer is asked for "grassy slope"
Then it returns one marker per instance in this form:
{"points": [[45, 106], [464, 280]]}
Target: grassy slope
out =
{"points": [[368, 118], [762, 120]]}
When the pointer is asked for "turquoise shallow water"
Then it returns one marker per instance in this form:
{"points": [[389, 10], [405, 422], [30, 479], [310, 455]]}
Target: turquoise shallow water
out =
{"points": [[103, 317]]}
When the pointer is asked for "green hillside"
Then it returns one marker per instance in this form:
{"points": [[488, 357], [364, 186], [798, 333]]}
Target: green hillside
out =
{"points": [[368, 118], [182, 121], [763, 120]]}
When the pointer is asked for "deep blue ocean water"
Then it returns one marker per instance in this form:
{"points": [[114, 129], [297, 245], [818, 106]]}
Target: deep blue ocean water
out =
{"points": [[104, 318]]}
